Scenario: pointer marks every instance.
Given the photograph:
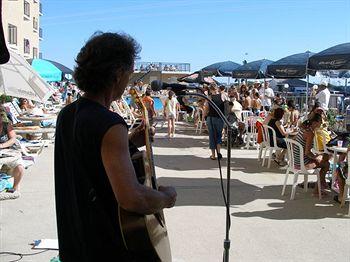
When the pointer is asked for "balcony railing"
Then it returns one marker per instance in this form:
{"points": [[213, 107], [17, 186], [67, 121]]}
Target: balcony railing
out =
{"points": [[162, 66], [26, 9], [35, 23], [40, 33], [40, 9]]}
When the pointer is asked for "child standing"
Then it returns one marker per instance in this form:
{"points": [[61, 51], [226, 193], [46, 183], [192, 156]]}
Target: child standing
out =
{"points": [[170, 112]]}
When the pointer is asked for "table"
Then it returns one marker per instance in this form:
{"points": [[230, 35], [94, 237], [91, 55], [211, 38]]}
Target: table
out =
{"points": [[336, 150]]}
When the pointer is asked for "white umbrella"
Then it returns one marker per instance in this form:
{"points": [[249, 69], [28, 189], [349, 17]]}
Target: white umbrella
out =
{"points": [[18, 79]]}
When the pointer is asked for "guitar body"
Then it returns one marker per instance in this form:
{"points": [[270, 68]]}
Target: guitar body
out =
{"points": [[145, 235]]}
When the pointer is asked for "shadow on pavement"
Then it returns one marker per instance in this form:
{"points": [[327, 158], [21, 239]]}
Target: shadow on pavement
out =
{"points": [[207, 192]]}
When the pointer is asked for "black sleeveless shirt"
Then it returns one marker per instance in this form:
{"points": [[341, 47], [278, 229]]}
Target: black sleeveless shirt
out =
{"points": [[217, 101], [87, 211]]}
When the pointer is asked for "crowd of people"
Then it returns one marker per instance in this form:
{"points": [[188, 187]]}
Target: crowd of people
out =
{"points": [[283, 117], [157, 67]]}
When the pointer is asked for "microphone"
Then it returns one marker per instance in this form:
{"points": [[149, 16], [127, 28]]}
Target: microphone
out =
{"points": [[157, 85], [4, 53]]}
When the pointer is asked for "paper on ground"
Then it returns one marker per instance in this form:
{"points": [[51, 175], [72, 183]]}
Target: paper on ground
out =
{"points": [[46, 244]]}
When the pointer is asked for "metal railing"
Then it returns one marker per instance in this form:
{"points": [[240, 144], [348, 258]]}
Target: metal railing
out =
{"points": [[162, 66], [26, 8], [35, 23]]}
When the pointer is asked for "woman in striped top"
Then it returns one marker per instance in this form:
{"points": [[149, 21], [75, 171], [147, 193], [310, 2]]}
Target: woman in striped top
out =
{"points": [[306, 137]]}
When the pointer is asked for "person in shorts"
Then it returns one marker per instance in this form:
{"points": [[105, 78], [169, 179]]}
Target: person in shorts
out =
{"points": [[170, 111]]}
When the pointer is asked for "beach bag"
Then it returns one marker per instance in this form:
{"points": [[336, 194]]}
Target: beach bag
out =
{"points": [[260, 134]]}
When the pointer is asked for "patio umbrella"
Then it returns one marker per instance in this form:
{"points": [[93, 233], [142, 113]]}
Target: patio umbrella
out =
{"points": [[293, 66], [51, 71], [333, 58], [221, 68], [18, 79], [252, 70], [198, 77]]}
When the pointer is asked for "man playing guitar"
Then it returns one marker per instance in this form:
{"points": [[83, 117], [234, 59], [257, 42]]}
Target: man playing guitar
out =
{"points": [[94, 174]]}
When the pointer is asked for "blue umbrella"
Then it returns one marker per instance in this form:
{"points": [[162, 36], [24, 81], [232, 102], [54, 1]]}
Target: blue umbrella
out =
{"points": [[221, 68], [333, 58], [252, 70], [51, 71], [293, 66]]}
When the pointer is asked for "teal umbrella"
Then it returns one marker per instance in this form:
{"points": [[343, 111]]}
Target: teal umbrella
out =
{"points": [[51, 71]]}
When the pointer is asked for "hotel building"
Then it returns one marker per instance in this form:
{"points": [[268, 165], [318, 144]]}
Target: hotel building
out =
{"points": [[21, 24]]}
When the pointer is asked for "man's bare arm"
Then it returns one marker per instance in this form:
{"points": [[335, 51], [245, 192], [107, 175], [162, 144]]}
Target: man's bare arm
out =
{"points": [[130, 194]]}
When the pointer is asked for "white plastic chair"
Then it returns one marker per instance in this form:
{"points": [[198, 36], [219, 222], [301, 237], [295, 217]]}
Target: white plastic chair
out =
{"points": [[199, 115], [245, 115], [346, 186], [298, 168], [268, 145], [251, 134]]}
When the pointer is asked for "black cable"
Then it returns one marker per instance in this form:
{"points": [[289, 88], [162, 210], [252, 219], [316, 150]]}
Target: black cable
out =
{"points": [[21, 255], [219, 162]]}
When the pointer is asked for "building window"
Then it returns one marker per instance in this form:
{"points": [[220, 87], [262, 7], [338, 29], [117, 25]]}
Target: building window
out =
{"points": [[35, 52], [12, 30], [26, 8], [40, 55], [35, 23], [40, 33], [26, 46]]}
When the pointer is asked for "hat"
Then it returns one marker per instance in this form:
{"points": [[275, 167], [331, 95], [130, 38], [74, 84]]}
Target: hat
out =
{"points": [[324, 83], [315, 87]]}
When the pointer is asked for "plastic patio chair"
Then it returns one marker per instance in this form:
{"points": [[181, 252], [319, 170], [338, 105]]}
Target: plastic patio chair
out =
{"points": [[199, 115], [298, 168], [268, 146], [346, 186], [251, 134]]}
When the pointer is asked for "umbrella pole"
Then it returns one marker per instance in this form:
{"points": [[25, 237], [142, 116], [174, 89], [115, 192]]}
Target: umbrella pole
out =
{"points": [[307, 93]]}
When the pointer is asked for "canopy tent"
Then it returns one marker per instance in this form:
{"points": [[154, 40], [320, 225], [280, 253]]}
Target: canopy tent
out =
{"points": [[333, 58], [18, 79], [198, 77], [221, 68], [293, 66], [252, 70], [51, 71]]}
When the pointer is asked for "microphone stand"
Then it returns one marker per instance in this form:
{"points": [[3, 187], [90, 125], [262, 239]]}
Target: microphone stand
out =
{"points": [[227, 242]]}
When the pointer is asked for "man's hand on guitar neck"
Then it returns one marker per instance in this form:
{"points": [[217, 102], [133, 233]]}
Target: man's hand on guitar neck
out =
{"points": [[137, 135]]}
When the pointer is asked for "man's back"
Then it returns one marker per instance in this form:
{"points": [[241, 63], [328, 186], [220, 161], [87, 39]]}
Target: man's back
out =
{"points": [[86, 208]]}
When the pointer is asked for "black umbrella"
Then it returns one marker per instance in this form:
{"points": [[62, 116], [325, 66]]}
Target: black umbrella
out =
{"points": [[252, 70], [221, 68], [333, 58], [293, 66], [198, 77]]}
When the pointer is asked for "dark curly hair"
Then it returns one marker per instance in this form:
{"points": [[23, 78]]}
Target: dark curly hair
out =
{"points": [[101, 57]]}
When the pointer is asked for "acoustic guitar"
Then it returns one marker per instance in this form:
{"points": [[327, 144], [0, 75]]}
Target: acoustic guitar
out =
{"points": [[145, 235]]}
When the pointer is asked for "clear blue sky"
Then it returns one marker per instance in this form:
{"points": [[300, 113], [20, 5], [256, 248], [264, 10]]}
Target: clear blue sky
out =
{"points": [[199, 32]]}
